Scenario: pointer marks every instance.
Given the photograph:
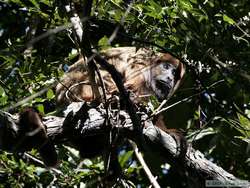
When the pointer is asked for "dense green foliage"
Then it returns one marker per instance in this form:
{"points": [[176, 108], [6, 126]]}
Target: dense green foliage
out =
{"points": [[214, 36]]}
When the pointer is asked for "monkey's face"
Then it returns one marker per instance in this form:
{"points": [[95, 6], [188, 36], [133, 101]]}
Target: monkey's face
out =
{"points": [[163, 79], [164, 76]]}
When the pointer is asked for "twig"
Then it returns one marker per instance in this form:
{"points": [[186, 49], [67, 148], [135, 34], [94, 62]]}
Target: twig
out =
{"points": [[72, 87], [145, 167], [115, 32], [159, 110], [224, 66], [53, 31], [41, 163], [29, 98], [160, 106]]}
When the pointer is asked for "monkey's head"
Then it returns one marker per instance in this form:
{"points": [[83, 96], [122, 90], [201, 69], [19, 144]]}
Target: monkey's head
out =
{"points": [[165, 76]]}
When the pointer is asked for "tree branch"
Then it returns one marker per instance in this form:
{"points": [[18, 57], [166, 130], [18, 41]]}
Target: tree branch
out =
{"points": [[89, 123], [144, 166]]}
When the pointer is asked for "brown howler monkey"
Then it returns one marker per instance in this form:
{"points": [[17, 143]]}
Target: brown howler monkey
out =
{"points": [[145, 73], [32, 134]]}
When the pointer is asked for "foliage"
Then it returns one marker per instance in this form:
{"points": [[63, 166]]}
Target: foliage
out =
{"points": [[217, 121]]}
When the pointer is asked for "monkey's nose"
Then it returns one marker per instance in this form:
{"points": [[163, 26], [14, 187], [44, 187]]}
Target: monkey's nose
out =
{"points": [[169, 79]]}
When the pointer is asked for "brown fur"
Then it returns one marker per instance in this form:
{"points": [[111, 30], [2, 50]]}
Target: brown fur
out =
{"points": [[33, 135], [145, 73], [139, 69]]}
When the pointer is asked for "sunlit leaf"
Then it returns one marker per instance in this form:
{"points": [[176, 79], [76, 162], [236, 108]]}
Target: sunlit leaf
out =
{"points": [[50, 94], [228, 19], [199, 134], [104, 42], [40, 108], [245, 125]]}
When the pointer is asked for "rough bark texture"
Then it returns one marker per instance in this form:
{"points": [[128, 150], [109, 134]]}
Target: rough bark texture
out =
{"points": [[83, 124]]}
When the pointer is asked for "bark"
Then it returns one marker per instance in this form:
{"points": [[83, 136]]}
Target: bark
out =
{"points": [[85, 122]]}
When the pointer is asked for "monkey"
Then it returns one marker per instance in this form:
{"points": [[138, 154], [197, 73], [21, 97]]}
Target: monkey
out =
{"points": [[32, 134], [145, 73]]}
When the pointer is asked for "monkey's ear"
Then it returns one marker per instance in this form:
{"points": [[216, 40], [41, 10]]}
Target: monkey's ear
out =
{"points": [[181, 70]]}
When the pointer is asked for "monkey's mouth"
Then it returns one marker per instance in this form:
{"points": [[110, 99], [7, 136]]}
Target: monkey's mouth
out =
{"points": [[163, 88]]}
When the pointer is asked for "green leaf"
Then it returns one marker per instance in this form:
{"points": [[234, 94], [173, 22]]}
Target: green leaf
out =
{"points": [[3, 97], [228, 19], [35, 3], [199, 134], [156, 7], [40, 108], [124, 158], [154, 10], [104, 43], [245, 125], [2, 91], [39, 99], [50, 94], [46, 2], [185, 4], [116, 1]]}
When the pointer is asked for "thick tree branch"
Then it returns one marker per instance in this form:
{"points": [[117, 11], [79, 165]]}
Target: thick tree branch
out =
{"points": [[89, 123]]}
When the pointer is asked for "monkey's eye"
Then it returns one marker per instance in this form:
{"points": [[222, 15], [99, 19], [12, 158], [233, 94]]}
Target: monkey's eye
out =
{"points": [[174, 72], [166, 65]]}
